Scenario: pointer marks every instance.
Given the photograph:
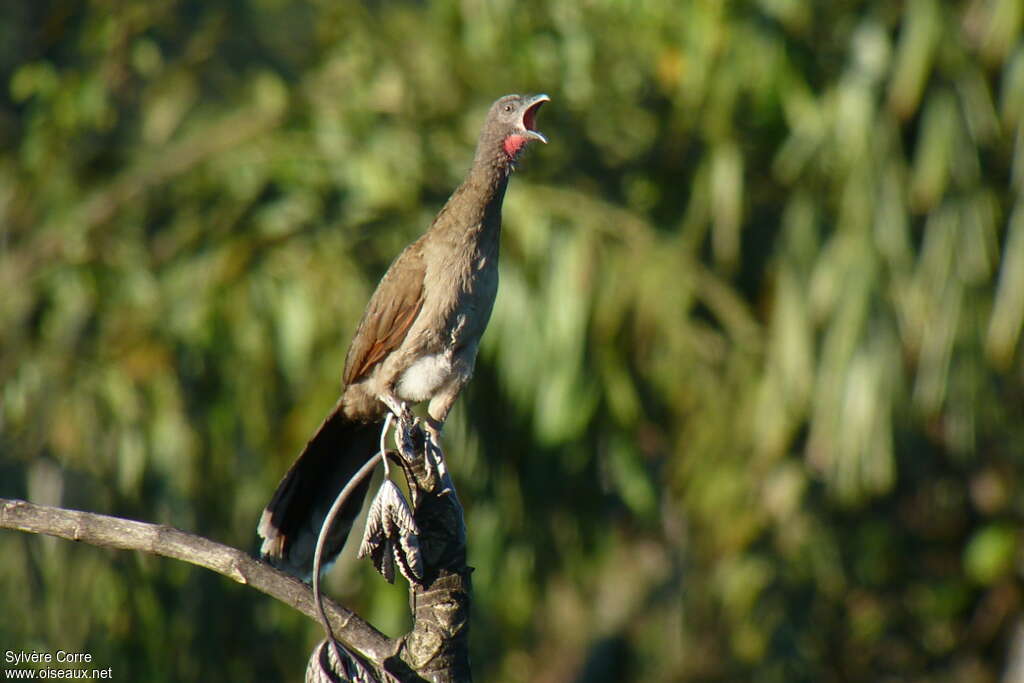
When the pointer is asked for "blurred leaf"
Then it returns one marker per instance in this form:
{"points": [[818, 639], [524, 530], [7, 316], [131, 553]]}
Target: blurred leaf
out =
{"points": [[990, 554]]}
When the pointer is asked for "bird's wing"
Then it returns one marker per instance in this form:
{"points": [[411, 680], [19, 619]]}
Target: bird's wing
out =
{"points": [[389, 315]]}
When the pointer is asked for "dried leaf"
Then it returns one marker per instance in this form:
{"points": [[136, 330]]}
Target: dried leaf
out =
{"points": [[392, 535], [325, 666]]}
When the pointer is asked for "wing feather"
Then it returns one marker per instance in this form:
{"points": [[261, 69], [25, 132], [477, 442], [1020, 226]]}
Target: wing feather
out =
{"points": [[390, 314]]}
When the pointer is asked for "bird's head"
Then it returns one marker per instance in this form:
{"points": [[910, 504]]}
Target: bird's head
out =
{"points": [[512, 122]]}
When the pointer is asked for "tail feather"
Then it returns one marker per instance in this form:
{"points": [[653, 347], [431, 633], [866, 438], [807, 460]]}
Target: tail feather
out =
{"points": [[291, 521]]}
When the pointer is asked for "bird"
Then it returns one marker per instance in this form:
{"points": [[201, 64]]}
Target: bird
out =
{"points": [[416, 342]]}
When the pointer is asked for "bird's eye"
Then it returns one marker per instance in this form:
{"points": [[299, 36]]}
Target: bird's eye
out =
{"points": [[508, 107]]}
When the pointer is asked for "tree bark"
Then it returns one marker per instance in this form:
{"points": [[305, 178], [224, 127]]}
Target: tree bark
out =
{"points": [[438, 646]]}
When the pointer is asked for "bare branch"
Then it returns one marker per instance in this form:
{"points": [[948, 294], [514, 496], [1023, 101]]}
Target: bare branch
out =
{"points": [[123, 534], [437, 647]]}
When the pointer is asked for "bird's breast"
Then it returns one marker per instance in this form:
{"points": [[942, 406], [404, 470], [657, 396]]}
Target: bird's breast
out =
{"points": [[425, 376]]}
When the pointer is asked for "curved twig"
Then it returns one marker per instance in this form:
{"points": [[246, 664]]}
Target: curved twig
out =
{"points": [[358, 477]]}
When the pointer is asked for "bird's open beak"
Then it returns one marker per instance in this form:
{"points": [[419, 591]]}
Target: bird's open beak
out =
{"points": [[530, 118]]}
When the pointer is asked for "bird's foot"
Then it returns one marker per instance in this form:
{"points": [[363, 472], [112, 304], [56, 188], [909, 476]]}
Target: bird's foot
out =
{"points": [[406, 437], [399, 412], [432, 450]]}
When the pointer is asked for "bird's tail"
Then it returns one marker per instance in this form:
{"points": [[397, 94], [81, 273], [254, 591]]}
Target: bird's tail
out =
{"points": [[291, 521]]}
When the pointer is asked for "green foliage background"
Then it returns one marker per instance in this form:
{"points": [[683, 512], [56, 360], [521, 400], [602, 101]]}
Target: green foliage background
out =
{"points": [[751, 404]]}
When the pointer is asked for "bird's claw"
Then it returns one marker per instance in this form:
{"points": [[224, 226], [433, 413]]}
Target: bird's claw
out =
{"points": [[405, 437], [433, 453], [404, 420]]}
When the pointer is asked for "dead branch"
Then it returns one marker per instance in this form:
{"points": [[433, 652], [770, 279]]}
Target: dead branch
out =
{"points": [[123, 534]]}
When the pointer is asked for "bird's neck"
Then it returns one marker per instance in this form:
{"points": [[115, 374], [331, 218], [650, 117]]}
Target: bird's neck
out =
{"points": [[474, 209], [485, 187], [488, 176]]}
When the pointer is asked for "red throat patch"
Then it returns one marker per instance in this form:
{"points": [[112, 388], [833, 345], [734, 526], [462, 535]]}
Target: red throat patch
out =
{"points": [[514, 143]]}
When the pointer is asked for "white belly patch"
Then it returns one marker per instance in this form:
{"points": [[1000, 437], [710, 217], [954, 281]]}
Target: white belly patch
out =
{"points": [[424, 377]]}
